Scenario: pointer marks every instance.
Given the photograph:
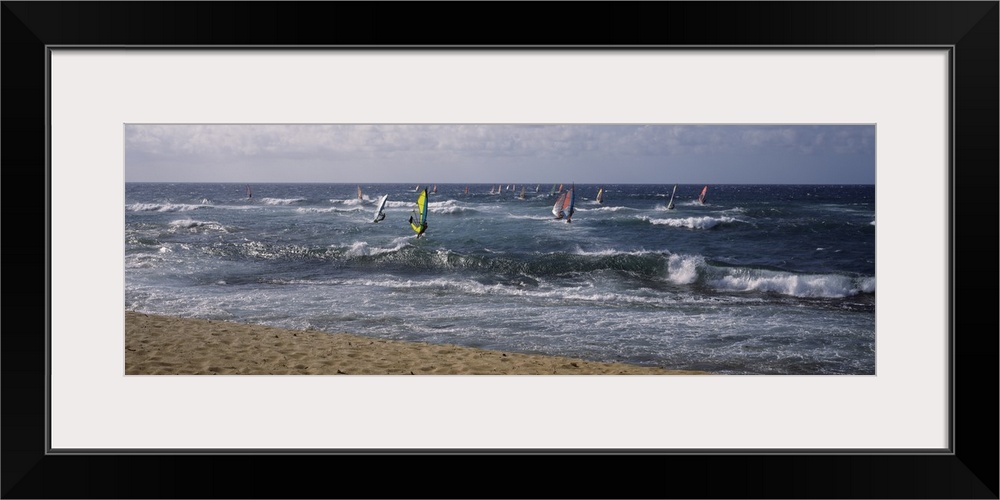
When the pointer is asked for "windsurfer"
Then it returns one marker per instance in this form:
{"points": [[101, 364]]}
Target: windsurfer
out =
{"points": [[380, 217], [423, 227]]}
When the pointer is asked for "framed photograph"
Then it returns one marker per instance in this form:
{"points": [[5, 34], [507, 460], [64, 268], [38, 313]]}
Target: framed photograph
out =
{"points": [[208, 167], [617, 272]]}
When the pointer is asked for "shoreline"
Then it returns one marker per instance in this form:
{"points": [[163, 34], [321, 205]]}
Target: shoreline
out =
{"points": [[168, 345]]}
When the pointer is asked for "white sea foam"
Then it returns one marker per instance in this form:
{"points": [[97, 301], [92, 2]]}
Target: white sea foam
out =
{"points": [[692, 222], [144, 260], [281, 201], [442, 204], [351, 201], [363, 249], [195, 224], [610, 252], [811, 285], [448, 209], [612, 209], [683, 269], [529, 217], [469, 287], [307, 210], [164, 207]]}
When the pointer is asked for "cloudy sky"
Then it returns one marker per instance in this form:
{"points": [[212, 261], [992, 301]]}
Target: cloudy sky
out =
{"points": [[656, 154]]}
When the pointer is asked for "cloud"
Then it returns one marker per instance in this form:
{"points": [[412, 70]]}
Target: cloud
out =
{"points": [[393, 151], [227, 141]]}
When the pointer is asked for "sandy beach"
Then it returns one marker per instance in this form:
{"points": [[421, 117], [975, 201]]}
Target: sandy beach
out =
{"points": [[162, 345]]}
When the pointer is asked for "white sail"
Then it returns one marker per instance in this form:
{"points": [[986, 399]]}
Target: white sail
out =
{"points": [[670, 206], [557, 208], [565, 205], [379, 215]]}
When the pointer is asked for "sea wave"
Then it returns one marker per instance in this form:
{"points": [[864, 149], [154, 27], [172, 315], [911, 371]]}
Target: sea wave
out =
{"points": [[363, 249], [444, 204], [281, 201], [196, 224], [795, 285], [352, 201], [449, 209], [402, 255], [529, 217], [165, 207], [612, 209], [307, 210], [692, 222]]}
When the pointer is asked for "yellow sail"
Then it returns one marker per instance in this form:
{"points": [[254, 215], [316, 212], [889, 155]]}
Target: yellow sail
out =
{"points": [[419, 222]]}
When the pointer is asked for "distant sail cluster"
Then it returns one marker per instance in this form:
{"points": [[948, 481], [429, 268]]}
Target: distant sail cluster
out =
{"points": [[563, 209]]}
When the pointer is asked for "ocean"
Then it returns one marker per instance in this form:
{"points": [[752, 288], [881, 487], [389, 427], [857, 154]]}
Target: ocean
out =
{"points": [[760, 279]]}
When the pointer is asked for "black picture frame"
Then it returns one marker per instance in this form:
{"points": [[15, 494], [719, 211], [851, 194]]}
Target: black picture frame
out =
{"points": [[969, 28]]}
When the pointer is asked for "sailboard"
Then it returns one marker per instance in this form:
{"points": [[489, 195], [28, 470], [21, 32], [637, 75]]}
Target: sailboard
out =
{"points": [[249, 192], [359, 193], [565, 205], [569, 203], [521, 196], [600, 195], [418, 221], [379, 211], [701, 197], [557, 208], [670, 206]]}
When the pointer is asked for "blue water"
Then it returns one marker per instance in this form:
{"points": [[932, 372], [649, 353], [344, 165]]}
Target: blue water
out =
{"points": [[761, 279]]}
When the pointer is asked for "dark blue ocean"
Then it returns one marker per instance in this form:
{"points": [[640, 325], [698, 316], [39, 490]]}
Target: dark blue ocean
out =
{"points": [[761, 279]]}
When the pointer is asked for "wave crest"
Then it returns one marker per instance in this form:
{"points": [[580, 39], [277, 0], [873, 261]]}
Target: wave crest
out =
{"points": [[164, 207], [281, 201], [795, 285], [692, 222]]}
